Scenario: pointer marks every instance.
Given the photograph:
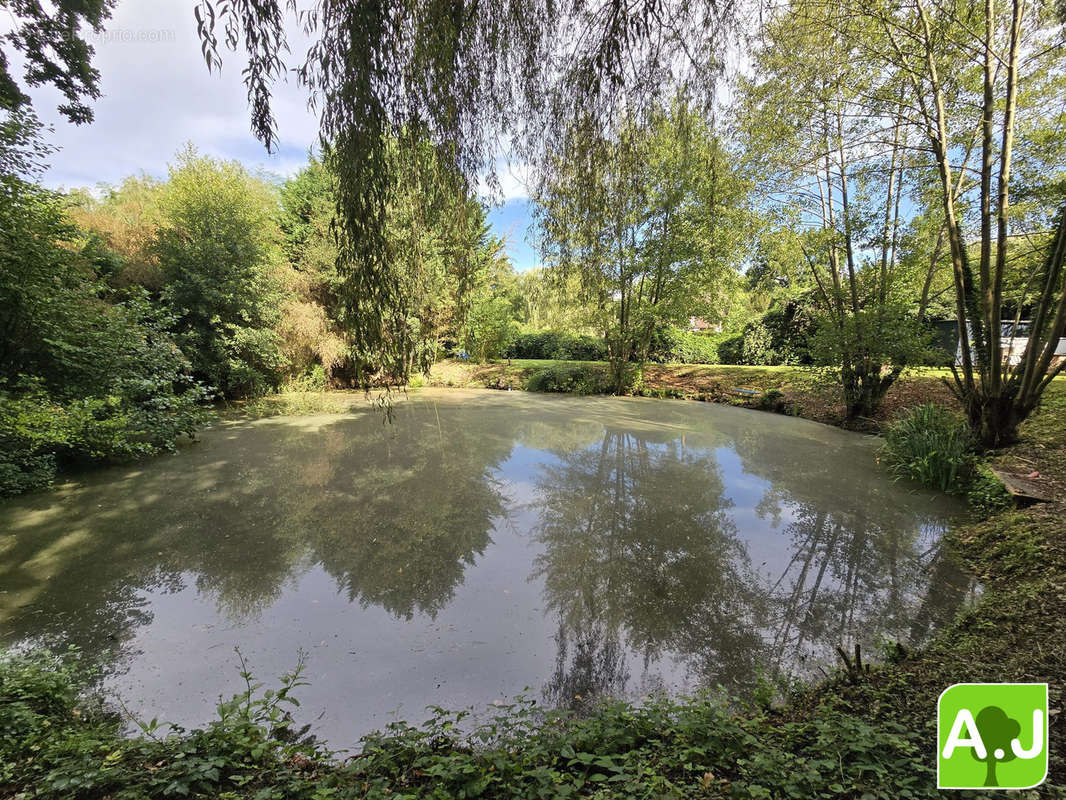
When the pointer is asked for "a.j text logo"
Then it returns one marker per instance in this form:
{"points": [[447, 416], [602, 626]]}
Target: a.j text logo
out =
{"points": [[992, 735]]}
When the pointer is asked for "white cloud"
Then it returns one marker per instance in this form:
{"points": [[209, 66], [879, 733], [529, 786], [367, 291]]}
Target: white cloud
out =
{"points": [[515, 181], [158, 94]]}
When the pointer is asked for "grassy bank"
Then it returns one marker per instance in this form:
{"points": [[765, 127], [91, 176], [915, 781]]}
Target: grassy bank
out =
{"points": [[804, 392], [863, 733]]}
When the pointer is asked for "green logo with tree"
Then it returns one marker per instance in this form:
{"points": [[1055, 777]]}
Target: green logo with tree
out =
{"points": [[992, 735]]}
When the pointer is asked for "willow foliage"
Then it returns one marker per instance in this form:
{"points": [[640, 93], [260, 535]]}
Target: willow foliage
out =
{"points": [[648, 221], [467, 78]]}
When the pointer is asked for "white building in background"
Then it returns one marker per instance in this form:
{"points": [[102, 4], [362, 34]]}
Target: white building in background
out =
{"points": [[1014, 341]]}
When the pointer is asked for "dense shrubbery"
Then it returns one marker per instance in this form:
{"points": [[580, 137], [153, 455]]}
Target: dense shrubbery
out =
{"points": [[40, 431], [668, 345], [218, 251], [55, 743], [673, 345], [573, 378], [557, 345], [87, 373], [932, 445], [780, 336], [60, 744], [490, 328]]}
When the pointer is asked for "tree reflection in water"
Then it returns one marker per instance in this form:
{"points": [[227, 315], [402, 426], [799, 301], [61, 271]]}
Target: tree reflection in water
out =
{"points": [[590, 663], [673, 546], [643, 562], [393, 521], [637, 542], [862, 565]]}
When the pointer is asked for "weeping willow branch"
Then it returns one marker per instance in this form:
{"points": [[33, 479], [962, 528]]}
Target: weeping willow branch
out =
{"points": [[470, 78]]}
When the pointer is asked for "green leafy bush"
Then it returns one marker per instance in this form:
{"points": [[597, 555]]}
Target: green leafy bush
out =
{"points": [[731, 349], [757, 347], [40, 431], [932, 445], [780, 336], [37, 430], [86, 373], [557, 345], [30, 433], [490, 328], [571, 378], [217, 249], [112, 385], [673, 345], [57, 743], [313, 379]]}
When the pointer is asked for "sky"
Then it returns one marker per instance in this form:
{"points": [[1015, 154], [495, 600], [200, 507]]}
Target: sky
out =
{"points": [[512, 222], [158, 96]]}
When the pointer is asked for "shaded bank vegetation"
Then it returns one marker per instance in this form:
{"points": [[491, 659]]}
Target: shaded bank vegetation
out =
{"points": [[122, 313], [662, 749]]}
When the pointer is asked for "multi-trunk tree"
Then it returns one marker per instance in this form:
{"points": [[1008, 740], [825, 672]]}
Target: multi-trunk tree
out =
{"points": [[932, 117], [828, 150], [647, 219], [981, 90]]}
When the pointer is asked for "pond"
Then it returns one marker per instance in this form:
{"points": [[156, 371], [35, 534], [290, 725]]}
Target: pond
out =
{"points": [[483, 545]]}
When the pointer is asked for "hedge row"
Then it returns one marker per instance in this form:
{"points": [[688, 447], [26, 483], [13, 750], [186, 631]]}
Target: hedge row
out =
{"points": [[557, 346], [669, 345]]}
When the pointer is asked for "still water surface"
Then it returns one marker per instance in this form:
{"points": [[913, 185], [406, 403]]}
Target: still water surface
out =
{"points": [[482, 545]]}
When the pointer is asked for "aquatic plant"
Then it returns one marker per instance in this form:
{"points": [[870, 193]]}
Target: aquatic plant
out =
{"points": [[932, 445]]}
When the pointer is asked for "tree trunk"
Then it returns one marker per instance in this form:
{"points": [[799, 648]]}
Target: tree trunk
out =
{"points": [[995, 419], [990, 771], [864, 388]]}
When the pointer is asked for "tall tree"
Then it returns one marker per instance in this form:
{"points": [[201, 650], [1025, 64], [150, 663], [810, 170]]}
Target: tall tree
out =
{"points": [[440, 248], [311, 326], [646, 218], [975, 76], [829, 148], [218, 251]]}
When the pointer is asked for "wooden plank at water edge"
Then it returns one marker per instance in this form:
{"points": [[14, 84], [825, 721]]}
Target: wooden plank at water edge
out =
{"points": [[744, 391], [1023, 488]]}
